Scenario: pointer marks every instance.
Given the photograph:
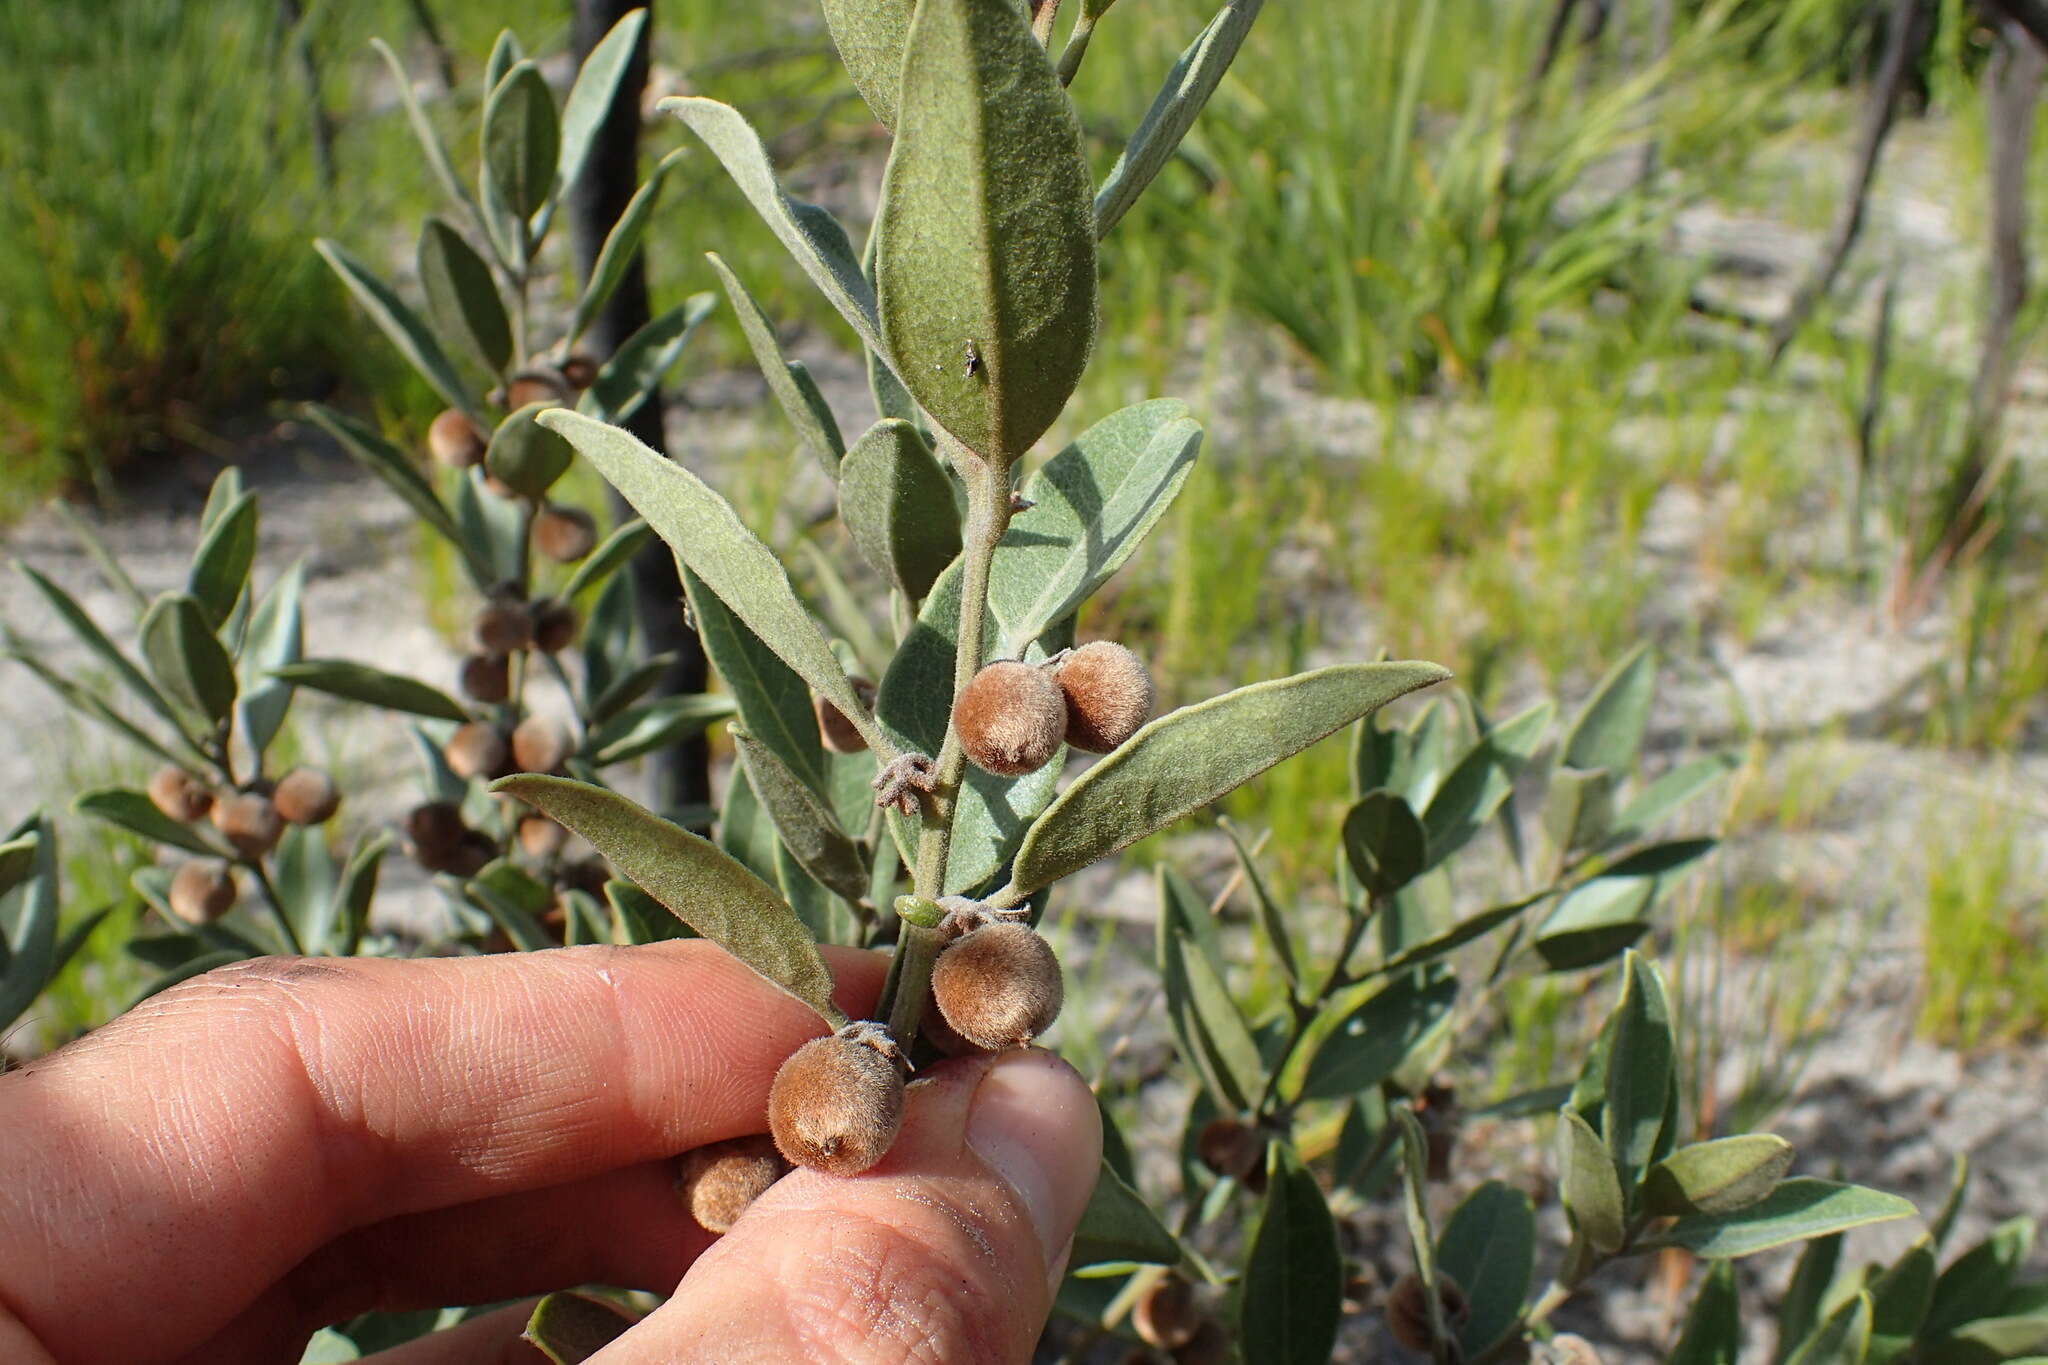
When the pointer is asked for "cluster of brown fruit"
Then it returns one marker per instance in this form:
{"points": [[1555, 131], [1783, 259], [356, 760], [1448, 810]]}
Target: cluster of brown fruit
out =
{"points": [[251, 818], [1012, 716]]}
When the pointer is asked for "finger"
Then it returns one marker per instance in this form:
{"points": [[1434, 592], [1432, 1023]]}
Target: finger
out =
{"points": [[268, 1107], [948, 1250]]}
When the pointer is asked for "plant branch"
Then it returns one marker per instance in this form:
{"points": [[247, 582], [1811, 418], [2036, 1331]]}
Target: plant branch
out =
{"points": [[285, 930]]}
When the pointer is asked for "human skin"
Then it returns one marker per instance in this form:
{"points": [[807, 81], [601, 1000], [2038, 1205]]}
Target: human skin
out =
{"points": [[285, 1143]]}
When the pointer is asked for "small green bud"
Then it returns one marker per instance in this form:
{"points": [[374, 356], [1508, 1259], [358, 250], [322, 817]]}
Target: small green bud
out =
{"points": [[918, 910]]}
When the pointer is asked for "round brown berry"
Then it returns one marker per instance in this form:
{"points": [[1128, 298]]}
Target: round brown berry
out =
{"points": [[840, 735], [306, 796], [580, 371], [554, 625], [541, 837], [1408, 1309], [435, 831], [1231, 1147], [486, 678], [1010, 718], [1210, 1345], [454, 440], [202, 892], [472, 854], [477, 750], [837, 1103], [250, 822], [540, 745], [179, 795], [564, 534], [504, 628], [1109, 695], [1166, 1315], [720, 1179], [533, 386], [999, 986]]}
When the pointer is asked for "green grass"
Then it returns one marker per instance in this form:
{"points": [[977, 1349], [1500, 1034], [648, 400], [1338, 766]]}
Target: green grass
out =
{"points": [[1986, 937]]}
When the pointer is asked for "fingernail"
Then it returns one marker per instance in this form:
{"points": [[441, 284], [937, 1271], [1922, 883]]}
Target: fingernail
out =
{"points": [[1033, 1122]]}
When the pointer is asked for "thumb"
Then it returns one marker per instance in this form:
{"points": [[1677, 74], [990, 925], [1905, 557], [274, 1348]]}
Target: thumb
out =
{"points": [[950, 1249]]}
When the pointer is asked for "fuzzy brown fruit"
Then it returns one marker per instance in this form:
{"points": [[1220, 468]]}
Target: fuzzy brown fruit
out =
{"points": [[1010, 718], [540, 745], [533, 387], [837, 1103], [306, 796], [541, 837], [1167, 1315], [486, 678], [1408, 1309], [1210, 1345], [554, 625], [1109, 695], [454, 440], [202, 892], [179, 795], [504, 628], [720, 1180], [472, 855], [435, 829], [1231, 1147], [838, 734], [250, 822], [999, 986], [564, 534], [477, 750], [580, 371]]}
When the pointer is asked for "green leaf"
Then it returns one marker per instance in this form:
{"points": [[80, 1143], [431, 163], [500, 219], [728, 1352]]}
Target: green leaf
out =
{"points": [[1190, 757], [987, 230], [1844, 1339], [870, 35], [431, 147], [1713, 1330], [1457, 936], [94, 639], [1812, 1287], [186, 659], [1720, 1176], [1797, 1209], [1384, 844], [1595, 921], [95, 549], [1671, 791], [360, 682], [571, 1328], [17, 861], [1589, 1186], [636, 369], [87, 703], [621, 246], [612, 552], [592, 96], [805, 824], [403, 327], [897, 504], [774, 704], [329, 1347], [709, 538], [1118, 1226], [276, 638], [462, 297], [791, 385], [701, 885], [493, 528], [220, 566], [1640, 1061], [28, 920], [1293, 1272], [358, 888], [1609, 730], [509, 897], [1188, 86], [1205, 1018], [1489, 1248], [522, 140], [1375, 1035], [1271, 918], [1578, 807], [136, 813], [306, 879], [402, 477], [1986, 1340], [1976, 1282], [1483, 779], [817, 242], [659, 724], [1900, 1299], [527, 454]]}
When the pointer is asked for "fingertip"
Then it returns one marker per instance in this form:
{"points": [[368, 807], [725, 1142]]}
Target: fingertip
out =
{"points": [[1034, 1124]]}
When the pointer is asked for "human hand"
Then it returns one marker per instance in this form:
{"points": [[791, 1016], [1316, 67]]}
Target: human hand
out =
{"points": [[285, 1143]]}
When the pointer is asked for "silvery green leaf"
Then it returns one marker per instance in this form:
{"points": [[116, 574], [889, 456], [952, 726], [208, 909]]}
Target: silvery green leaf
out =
{"points": [[700, 885], [807, 827], [1186, 759], [95, 549], [329, 1347], [1798, 1209], [774, 704], [1423, 756], [1185, 912], [1899, 1300], [1595, 921], [612, 552], [1713, 1329], [360, 682], [1589, 1187], [897, 503], [1719, 1176], [526, 455], [462, 297], [621, 245], [431, 147], [571, 1328], [666, 721], [1271, 918], [818, 244], [1642, 1055], [220, 566], [985, 267], [402, 477], [1844, 1339], [1489, 1248], [136, 813], [1457, 936], [870, 35], [592, 96], [1188, 87], [711, 541], [87, 702], [493, 528], [1206, 1020], [305, 877], [636, 369], [186, 659], [358, 888], [522, 139], [1293, 1271], [1671, 791], [745, 830], [1375, 1033], [1384, 844], [94, 639], [1118, 1225], [1807, 1296], [1578, 807], [506, 51], [505, 894], [1608, 732], [1975, 1284], [794, 389], [276, 638], [1093, 504], [628, 687], [403, 326], [1484, 778], [17, 862]]}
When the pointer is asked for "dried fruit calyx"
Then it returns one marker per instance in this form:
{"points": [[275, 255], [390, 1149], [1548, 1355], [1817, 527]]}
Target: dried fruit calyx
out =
{"points": [[1231, 1147], [1408, 1309], [1108, 692], [840, 735], [837, 1103], [719, 1180], [1010, 718], [1167, 1315], [998, 986], [306, 796]]}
